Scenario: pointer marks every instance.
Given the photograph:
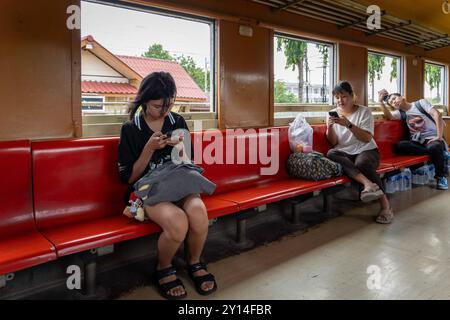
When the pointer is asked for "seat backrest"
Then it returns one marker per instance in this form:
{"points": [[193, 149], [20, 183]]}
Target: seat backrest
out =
{"points": [[16, 214], [257, 164], [320, 142], [76, 180], [387, 135]]}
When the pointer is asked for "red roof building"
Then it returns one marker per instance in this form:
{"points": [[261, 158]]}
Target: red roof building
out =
{"points": [[186, 86], [104, 87], [106, 74]]}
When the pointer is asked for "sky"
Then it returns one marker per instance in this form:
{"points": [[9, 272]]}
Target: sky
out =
{"points": [[130, 32]]}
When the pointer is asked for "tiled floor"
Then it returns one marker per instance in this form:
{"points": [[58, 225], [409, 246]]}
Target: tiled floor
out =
{"points": [[341, 258]]}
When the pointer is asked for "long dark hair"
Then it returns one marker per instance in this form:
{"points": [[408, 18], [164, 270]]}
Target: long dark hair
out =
{"points": [[155, 86]]}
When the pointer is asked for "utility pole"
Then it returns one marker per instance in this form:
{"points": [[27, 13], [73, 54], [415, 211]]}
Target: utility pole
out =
{"points": [[307, 77], [324, 81], [206, 74]]}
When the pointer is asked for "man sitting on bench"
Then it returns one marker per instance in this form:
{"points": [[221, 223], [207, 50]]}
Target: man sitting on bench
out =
{"points": [[426, 128]]}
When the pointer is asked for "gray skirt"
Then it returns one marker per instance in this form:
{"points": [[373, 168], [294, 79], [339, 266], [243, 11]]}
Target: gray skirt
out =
{"points": [[172, 182]]}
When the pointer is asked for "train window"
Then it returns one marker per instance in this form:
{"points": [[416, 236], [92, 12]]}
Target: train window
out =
{"points": [[384, 72], [303, 74], [435, 83], [123, 43]]}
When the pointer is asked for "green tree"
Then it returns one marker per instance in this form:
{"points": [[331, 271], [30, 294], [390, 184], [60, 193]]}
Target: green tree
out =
{"points": [[295, 52], [323, 50], [157, 51], [376, 64], [282, 95], [433, 78], [197, 74], [394, 68]]}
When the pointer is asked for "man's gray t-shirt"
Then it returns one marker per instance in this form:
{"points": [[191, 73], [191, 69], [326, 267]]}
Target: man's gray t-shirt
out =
{"points": [[417, 121]]}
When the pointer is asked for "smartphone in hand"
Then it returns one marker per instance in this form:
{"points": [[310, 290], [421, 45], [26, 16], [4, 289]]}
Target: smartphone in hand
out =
{"points": [[333, 114]]}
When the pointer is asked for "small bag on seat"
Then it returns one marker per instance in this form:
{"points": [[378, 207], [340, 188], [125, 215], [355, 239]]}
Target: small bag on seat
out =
{"points": [[312, 166]]}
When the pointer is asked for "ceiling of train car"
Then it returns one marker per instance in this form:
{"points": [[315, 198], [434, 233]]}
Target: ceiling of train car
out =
{"points": [[421, 23], [428, 13]]}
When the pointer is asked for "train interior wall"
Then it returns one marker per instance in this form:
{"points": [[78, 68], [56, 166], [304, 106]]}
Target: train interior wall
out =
{"points": [[40, 90]]}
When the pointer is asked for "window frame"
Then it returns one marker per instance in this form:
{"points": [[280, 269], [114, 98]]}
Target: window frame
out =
{"points": [[213, 98], [445, 93], [332, 63], [401, 68]]}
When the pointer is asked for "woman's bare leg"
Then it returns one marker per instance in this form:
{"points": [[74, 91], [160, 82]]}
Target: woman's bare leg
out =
{"points": [[174, 223], [198, 231]]}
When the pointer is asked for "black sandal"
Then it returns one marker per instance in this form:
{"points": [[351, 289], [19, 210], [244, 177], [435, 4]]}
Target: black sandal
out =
{"points": [[164, 288], [199, 280]]}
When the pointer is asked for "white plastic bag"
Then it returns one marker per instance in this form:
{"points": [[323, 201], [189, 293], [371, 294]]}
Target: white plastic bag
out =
{"points": [[300, 135]]}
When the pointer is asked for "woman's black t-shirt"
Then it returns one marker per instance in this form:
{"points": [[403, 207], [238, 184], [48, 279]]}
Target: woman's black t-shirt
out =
{"points": [[134, 136]]}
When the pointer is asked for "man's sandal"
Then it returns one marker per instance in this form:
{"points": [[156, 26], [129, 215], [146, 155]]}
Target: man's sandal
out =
{"points": [[164, 288], [371, 194], [199, 280]]}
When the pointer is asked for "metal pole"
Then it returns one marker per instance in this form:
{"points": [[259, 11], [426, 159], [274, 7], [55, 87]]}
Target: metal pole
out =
{"points": [[90, 273], [241, 230]]}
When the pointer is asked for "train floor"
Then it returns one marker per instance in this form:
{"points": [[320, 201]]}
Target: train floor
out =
{"points": [[347, 257]]}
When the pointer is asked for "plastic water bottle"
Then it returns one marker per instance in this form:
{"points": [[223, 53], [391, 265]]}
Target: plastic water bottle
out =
{"points": [[423, 175], [419, 176], [390, 184], [401, 185], [426, 174], [447, 157], [431, 173], [398, 182], [446, 162], [407, 177], [415, 177]]}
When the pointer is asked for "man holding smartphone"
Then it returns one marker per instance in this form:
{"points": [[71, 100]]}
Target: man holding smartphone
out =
{"points": [[426, 128]]}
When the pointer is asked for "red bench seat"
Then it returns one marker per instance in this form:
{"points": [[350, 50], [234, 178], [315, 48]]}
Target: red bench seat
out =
{"points": [[82, 236], [274, 191], [23, 251], [387, 135], [21, 245], [245, 185], [218, 207], [79, 199], [399, 162]]}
